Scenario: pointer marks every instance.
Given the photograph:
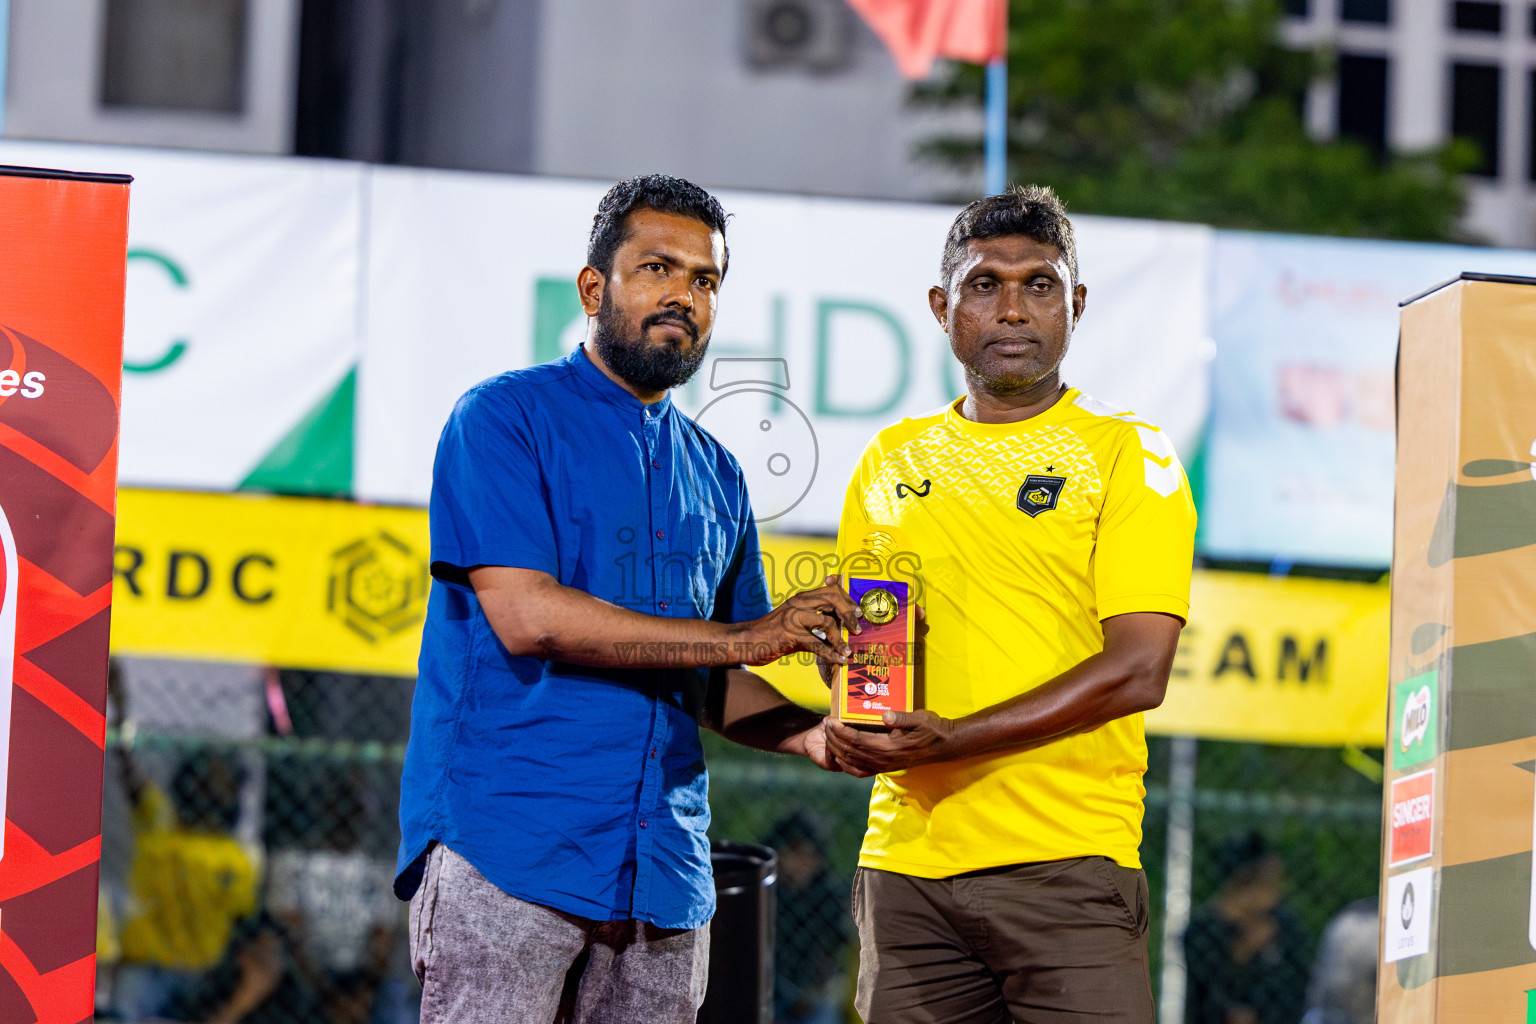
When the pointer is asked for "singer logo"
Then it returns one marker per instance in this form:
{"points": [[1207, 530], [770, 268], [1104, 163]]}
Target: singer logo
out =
{"points": [[1413, 818]]}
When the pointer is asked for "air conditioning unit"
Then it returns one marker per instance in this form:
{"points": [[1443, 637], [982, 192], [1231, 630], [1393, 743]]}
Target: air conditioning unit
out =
{"points": [[816, 35]]}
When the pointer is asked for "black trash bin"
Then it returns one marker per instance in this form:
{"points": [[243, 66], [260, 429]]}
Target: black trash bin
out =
{"points": [[741, 935]]}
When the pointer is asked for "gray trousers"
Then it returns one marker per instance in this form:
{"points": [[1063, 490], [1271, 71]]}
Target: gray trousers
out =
{"points": [[484, 957]]}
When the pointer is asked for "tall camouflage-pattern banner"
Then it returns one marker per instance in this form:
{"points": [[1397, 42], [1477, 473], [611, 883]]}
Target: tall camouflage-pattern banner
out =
{"points": [[331, 585], [61, 334], [1458, 903]]}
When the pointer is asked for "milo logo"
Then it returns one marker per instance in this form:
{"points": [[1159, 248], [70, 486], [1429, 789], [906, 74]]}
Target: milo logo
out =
{"points": [[1417, 740], [1415, 718]]}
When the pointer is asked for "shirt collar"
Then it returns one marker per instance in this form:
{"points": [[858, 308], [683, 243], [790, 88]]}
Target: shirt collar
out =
{"points": [[1047, 417], [608, 390]]}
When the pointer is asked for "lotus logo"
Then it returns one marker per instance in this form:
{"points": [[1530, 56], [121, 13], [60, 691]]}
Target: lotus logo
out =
{"points": [[1416, 711]]}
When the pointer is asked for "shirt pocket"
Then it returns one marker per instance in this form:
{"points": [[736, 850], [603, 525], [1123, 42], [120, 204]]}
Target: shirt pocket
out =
{"points": [[708, 554]]}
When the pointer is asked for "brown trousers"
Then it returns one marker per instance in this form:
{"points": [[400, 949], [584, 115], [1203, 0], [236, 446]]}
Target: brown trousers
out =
{"points": [[1043, 943]]}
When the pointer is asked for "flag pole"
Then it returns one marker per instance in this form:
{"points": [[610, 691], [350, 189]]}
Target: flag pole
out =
{"points": [[997, 126], [996, 151]]}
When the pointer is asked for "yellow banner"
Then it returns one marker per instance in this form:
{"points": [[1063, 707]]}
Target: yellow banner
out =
{"points": [[1280, 661], [1271, 660], [298, 582], [330, 585]]}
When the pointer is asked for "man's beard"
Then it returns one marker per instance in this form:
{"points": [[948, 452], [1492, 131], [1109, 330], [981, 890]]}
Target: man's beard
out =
{"points": [[1022, 379], [1012, 385], [644, 366]]}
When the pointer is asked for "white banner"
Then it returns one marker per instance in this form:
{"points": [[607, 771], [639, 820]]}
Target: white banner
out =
{"points": [[824, 333], [247, 315], [242, 310], [1300, 459]]}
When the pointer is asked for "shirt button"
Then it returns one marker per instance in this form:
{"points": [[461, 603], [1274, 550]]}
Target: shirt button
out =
{"points": [[642, 824], [662, 605], [655, 464], [653, 755], [660, 535]]}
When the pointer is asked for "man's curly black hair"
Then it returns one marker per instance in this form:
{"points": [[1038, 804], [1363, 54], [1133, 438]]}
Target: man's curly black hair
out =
{"points": [[660, 192], [1035, 211]]}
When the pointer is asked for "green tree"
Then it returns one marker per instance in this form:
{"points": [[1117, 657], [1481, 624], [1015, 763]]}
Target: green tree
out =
{"points": [[1191, 110]]}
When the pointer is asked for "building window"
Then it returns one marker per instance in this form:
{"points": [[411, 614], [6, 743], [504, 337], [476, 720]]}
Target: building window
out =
{"points": [[175, 55], [1363, 99], [1477, 16], [1379, 11], [1295, 8], [1475, 112]]}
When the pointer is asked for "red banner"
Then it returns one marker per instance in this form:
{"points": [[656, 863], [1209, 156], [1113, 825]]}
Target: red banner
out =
{"points": [[63, 247]]}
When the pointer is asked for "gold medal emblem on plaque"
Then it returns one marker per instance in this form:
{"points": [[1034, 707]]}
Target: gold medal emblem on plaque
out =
{"points": [[878, 606]]}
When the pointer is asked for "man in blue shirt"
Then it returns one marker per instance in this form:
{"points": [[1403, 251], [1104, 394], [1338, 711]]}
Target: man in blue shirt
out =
{"points": [[597, 588]]}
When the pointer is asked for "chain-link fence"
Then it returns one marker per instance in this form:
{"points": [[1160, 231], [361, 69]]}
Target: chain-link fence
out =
{"points": [[248, 843], [249, 838]]}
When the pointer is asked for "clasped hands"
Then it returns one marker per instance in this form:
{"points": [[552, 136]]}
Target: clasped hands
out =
{"points": [[915, 737]]}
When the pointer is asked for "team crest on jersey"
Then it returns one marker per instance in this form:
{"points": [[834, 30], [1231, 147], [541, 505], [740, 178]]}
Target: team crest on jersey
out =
{"points": [[1039, 494]]}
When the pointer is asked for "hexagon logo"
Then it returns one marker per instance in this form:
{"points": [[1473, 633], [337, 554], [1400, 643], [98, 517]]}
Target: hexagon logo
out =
{"points": [[378, 586]]}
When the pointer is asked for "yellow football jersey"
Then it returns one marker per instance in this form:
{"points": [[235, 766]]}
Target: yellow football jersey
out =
{"points": [[1025, 537], [186, 890]]}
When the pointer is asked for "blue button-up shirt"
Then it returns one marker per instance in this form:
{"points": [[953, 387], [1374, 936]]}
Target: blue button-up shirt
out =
{"points": [[578, 788]]}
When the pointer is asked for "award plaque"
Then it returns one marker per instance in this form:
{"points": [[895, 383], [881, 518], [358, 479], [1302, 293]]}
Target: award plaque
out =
{"points": [[879, 674]]}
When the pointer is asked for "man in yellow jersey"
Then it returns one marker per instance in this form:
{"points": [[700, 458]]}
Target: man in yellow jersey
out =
{"points": [[1000, 878]]}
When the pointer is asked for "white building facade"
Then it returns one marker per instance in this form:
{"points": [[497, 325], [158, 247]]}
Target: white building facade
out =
{"points": [[776, 95], [1410, 74]]}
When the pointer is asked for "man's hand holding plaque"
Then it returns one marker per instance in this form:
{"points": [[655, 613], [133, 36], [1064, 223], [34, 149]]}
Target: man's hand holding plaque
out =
{"points": [[879, 674]]}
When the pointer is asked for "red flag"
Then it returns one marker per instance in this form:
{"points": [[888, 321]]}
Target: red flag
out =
{"points": [[918, 31]]}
